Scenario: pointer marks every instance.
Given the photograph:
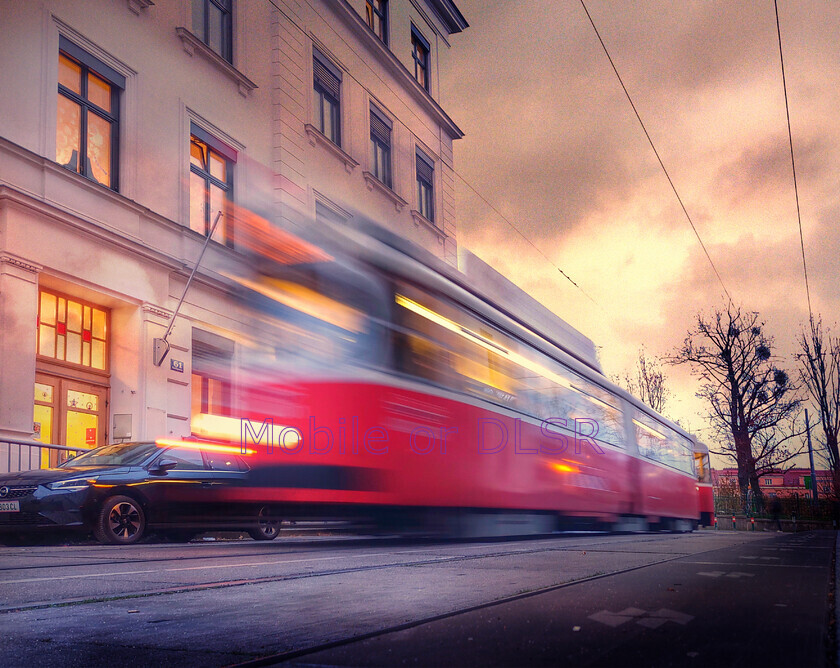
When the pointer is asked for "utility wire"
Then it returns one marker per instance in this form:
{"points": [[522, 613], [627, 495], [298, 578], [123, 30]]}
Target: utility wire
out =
{"points": [[515, 229], [650, 141], [307, 35], [793, 165]]}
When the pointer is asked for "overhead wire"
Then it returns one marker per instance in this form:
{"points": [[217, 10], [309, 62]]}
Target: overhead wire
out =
{"points": [[793, 165], [306, 34], [655, 151]]}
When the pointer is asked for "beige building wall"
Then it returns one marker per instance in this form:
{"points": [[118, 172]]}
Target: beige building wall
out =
{"points": [[130, 250], [311, 169]]}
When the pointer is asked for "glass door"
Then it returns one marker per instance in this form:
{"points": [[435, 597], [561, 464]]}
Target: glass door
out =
{"points": [[68, 412], [83, 414]]}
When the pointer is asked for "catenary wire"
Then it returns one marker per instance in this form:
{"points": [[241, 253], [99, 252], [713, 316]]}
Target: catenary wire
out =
{"points": [[307, 35], [653, 146], [793, 165]]}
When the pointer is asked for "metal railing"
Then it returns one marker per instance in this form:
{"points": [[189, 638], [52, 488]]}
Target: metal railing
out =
{"points": [[22, 455]]}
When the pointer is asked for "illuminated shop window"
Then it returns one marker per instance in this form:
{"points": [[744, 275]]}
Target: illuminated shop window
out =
{"points": [[87, 127], [211, 379], [72, 331]]}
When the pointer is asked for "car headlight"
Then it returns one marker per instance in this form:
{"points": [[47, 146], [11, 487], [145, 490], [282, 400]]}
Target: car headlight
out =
{"points": [[73, 483]]}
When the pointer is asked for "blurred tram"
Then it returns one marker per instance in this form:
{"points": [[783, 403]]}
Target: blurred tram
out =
{"points": [[381, 383]]}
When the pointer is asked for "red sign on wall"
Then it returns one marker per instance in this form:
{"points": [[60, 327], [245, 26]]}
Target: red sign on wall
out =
{"points": [[90, 436]]}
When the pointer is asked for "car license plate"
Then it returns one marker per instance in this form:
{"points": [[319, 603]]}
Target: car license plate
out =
{"points": [[10, 506]]}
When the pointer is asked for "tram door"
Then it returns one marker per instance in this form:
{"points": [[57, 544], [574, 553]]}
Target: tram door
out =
{"points": [[68, 412]]}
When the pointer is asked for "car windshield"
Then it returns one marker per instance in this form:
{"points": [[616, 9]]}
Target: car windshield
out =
{"points": [[120, 454]]}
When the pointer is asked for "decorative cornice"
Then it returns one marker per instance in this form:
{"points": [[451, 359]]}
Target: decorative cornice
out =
{"points": [[193, 45], [450, 15], [20, 264], [421, 221], [374, 183], [383, 55], [137, 5], [316, 137], [155, 310]]}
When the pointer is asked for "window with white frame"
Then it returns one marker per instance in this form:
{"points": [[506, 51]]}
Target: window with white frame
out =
{"points": [[380, 141], [88, 115], [212, 23], [425, 169], [376, 13], [211, 184], [327, 97], [420, 50]]}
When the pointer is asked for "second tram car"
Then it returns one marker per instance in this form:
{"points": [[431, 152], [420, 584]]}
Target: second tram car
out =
{"points": [[705, 495]]}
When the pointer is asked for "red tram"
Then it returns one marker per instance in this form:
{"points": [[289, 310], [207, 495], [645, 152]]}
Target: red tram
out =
{"points": [[385, 385]]}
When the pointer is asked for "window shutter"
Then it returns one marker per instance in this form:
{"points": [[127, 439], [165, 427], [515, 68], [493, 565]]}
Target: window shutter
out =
{"points": [[425, 171], [327, 75], [379, 129]]}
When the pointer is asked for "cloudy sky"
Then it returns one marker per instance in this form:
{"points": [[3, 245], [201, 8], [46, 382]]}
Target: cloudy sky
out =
{"points": [[553, 144]]}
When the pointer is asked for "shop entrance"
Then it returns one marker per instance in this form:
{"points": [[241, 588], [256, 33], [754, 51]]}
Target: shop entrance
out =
{"points": [[68, 412], [71, 380]]}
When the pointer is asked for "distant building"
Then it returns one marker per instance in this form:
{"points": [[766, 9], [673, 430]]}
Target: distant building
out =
{"points": [[783, 484]]}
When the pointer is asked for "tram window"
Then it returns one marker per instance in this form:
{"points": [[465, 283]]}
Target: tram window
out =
{"points": [[316, 325], [662, 444], [702, 467], [466, 355]]}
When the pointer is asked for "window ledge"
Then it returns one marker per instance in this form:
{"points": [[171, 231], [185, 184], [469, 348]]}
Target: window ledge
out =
{"points": [[375, 183], [421, 221], [137, 6], [317, 137], [193, 44]]}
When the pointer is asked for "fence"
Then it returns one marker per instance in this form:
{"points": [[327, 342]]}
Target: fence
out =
{"points": [[20, 455], [801, 507]]}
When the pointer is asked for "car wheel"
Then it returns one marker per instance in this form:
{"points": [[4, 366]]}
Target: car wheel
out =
{"points": [[121, 521], [268, 526]]}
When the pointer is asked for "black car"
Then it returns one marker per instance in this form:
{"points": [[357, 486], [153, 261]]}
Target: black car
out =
{"points": [[121, 491]]}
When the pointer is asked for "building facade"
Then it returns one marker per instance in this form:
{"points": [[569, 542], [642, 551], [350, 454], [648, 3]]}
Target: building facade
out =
{"points": [[126, 126], [783, 484]]}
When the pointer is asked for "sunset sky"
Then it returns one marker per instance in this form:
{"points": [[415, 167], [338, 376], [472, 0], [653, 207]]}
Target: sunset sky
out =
{"points": [[553, 144]]}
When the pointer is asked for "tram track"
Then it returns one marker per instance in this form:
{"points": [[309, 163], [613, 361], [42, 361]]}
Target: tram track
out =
{"points": [[308, 547], [391, 562]]}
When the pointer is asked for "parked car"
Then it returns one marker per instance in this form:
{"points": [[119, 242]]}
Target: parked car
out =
{"points": [[120, 492]]}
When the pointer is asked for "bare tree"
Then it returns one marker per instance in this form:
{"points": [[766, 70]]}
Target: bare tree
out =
{"points": [[752, 403], [819, 360], [647, 381]]}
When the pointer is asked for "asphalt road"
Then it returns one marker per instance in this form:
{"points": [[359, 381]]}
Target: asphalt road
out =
{"points": [[701, 599]]}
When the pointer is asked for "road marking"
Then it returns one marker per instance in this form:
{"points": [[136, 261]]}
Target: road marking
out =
{"points": [[721, 563], [733, 574], [651, 620]]}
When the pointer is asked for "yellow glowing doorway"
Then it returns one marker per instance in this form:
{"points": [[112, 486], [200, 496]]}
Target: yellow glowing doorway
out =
{"points": [[68, 412]]}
